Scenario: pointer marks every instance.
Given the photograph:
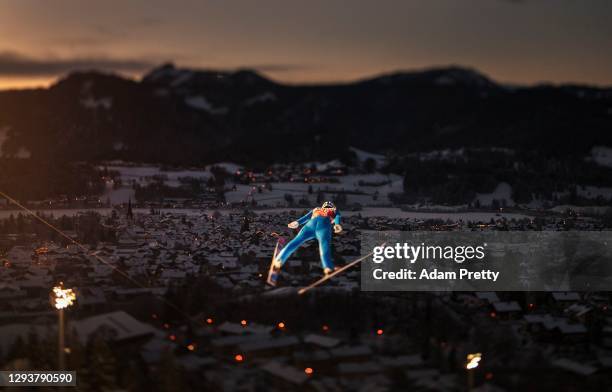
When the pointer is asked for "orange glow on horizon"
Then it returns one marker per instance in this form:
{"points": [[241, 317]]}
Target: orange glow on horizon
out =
{"points": [[10, 83]]}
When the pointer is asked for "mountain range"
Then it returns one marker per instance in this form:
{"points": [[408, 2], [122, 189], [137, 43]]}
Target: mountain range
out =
{"points": [[187, 117]]}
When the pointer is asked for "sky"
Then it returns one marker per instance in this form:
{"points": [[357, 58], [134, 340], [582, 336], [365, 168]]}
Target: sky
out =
{"points": [[314, 41]]}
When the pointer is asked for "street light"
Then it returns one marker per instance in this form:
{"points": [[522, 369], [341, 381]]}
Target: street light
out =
{"points": [[61, 299], [473, 360]]}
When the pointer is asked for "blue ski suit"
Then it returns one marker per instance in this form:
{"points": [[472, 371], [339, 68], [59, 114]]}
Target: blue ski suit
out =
{"points": [[317, 224]]}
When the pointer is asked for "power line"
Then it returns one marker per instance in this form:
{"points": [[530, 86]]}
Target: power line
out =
{"points": [[87, 252]]}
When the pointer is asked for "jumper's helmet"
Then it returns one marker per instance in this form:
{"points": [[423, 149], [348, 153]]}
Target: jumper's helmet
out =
{"points": [[328, 204]]}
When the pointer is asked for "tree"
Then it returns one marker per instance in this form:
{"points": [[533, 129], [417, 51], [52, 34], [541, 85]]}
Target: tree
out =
{"points": [[320, 197], [169, 375], [289, 198], [369, 165], [101, 370]]}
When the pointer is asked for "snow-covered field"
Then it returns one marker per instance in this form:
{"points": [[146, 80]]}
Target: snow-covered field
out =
{"points": [[601, 155], [366, 189], [144, 174], [362, 156]]}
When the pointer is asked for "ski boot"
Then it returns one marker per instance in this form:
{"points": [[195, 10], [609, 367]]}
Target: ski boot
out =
{"points": [[328, 271]]}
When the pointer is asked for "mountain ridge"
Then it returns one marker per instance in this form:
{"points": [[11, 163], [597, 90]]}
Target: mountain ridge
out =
{"points": [[185, 116]]}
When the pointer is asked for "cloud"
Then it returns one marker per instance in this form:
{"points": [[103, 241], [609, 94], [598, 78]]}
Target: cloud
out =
{"points": [[15, 64]]}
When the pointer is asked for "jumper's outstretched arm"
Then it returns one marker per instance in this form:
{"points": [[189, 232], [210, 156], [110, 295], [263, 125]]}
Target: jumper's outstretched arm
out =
{"points": [[295, 224], [337, 227]]}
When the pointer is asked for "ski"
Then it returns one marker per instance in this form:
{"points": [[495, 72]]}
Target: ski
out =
{"points": [[336, 272], [272, 279]]}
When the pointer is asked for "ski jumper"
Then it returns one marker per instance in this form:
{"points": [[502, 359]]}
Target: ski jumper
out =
{"points": [[317, 224]]}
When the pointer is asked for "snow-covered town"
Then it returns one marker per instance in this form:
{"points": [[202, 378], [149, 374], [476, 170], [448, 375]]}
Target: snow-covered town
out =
{"points": [[183, 291]]}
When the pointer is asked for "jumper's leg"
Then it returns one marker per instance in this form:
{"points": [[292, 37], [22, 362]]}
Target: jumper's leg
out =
{"points": [[324, 237], [304, 235]]}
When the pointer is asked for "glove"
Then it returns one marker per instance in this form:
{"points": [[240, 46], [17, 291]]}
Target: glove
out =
{"points": [[293, 225], [337, 229]]}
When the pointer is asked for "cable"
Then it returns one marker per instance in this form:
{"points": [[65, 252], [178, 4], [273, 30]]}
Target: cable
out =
{"points": [[94, 254]]}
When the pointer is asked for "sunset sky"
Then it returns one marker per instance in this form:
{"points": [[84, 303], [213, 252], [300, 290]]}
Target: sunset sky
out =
{"points": [[514, 41]]}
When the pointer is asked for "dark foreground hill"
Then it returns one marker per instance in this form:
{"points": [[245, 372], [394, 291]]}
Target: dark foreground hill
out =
{"points": [[181, 116]]}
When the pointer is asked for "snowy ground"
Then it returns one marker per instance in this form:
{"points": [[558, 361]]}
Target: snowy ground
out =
{"points": [[365, 189], [367, 193], [144, 174], [362, 156], [601, 155]]}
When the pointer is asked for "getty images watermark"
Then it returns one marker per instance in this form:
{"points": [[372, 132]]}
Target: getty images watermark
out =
{"points": [[412, 253], [487, 261]]}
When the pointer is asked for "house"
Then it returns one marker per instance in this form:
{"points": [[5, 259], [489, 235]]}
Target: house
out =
{"points": [[506, 310], [116, 326], [565, 298], [283, 376], [489, 296], [581, 369], [267, 346], [321, 341], [351, 353]]}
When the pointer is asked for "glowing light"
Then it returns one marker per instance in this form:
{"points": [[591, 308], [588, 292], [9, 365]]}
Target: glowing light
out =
{"points": [[191, 347], [325, 328], [473, 361], [166, 325], [379, 332], [493, 314], [281, 325], [209, 321], [239, 358], [308, 371], [42, 250], [63, 297], [172, 337], [243, 323]]}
